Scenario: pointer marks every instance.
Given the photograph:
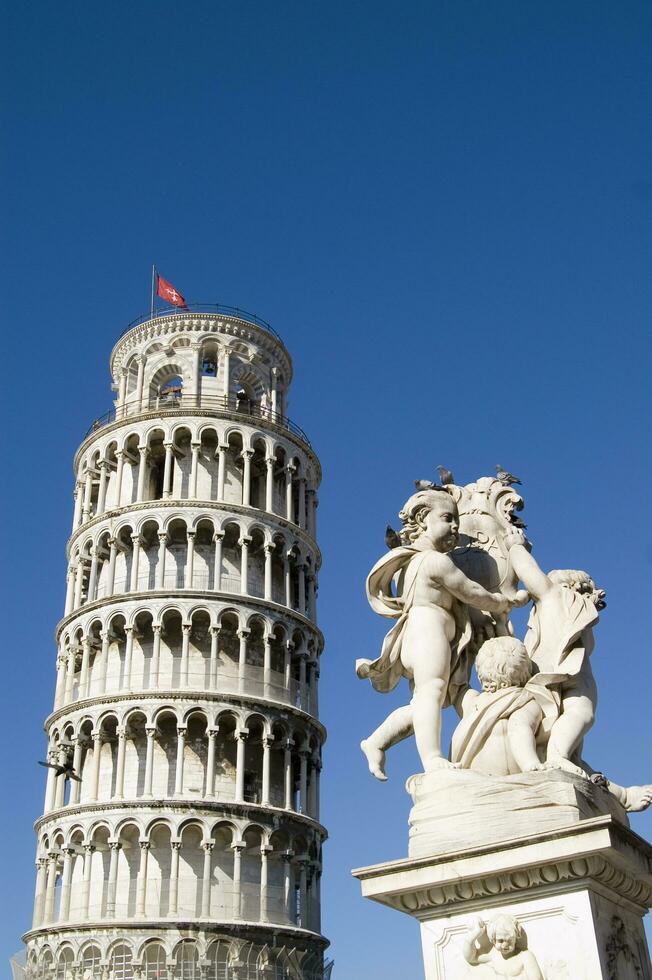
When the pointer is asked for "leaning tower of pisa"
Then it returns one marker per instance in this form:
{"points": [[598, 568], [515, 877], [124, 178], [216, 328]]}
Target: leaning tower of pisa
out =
{"points": [[189, 845]]}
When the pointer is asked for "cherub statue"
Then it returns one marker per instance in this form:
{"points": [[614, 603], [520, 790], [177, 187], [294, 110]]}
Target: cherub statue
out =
{"points": [[505, 728], [498, 948], [560, 641], [429, 641]]}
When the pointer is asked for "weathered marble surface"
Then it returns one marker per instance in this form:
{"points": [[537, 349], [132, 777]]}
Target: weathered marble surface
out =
{"points": [[453, 810]]}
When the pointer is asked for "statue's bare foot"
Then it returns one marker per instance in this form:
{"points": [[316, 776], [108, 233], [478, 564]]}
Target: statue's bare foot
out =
{"points": [[375, 758], [557, 762], [638, 798], [438, 762]]}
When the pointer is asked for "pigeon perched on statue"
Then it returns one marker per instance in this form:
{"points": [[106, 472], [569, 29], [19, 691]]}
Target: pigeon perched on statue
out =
{"points": [[506, 478], [445, 476], [392, 538], [425, 485]]}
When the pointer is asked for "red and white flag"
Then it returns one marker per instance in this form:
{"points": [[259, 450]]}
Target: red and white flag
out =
{"points": [[166, 291]]}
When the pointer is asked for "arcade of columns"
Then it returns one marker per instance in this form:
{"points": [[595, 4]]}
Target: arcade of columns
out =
{"points": [[187, 675]]}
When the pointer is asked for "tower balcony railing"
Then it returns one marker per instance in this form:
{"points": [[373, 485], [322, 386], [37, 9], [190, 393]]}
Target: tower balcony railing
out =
{"points": [[180, 401], [208, 308]]}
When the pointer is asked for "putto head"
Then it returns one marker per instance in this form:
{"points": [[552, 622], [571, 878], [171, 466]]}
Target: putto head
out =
{"points": [[580, 582], [432, 513], [502, 662], [506, 934]]}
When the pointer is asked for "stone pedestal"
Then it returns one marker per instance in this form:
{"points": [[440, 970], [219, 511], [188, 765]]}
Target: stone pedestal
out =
{"points": [[551, 850]]}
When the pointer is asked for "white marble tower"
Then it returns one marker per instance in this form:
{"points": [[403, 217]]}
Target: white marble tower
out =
{"points": [[187, 674]]}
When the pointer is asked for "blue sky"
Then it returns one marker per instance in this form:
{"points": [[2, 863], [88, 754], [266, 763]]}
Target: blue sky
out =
{"points": [[444, 209]]}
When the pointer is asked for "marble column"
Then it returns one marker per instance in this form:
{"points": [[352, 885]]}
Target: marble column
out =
{"points": [[247, 455], [221, 471], [92, 579], [244, 543], [39, 898], [269, 484], [88, 493], [190, 559], [267, 666], [113, 555], [182, 731], [140, 383], [78, 494], [303, 780], [212, 682], [66, 878], [301, 516], [237, 847], [75, 787], [50, 886], [267, 766], [175, 845], [61, 680], [288, 887], [194, 465], [218, 538], [115, 847], [226, 377], [207, 846], [105, 637], [150, 731], [156, 656], [160, 568], [269, 551], [168, 470], [242, 659], [120, 456], [289, 776], [302, 587], [89, 850], [264, 852], [141, 881], [95, 772], [241, 735], [85, 668], [120, 763], [142, 471], [185, 653], [71, 580], [129, 647], [104, 479], [209, 788], [290, 470], [135, 562]]}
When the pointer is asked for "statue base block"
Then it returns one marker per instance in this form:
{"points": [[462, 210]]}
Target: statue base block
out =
{"points": [[456, 808], [578, 889]]}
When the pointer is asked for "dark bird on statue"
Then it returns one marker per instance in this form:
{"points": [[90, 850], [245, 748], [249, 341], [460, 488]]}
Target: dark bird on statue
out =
{"points": [[392, 538], [506, 478], [517, 522], [445, 476], [425, 485]]}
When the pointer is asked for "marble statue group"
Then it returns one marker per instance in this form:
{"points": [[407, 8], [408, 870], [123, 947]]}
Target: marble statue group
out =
{"points": [[455, 569], [449, 582]]}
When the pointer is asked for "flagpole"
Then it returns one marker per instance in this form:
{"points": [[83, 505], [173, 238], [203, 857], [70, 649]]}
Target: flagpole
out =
{"points": [[151, 310]]}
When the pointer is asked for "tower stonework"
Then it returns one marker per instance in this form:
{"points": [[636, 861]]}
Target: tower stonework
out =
{"points": [[187, 675]]}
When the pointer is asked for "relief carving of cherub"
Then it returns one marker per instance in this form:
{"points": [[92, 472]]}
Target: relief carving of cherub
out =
{"points": [[498, 948]]}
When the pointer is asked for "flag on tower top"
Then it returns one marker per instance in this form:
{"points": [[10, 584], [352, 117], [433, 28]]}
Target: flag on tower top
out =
{"points": [[166, 291]]}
